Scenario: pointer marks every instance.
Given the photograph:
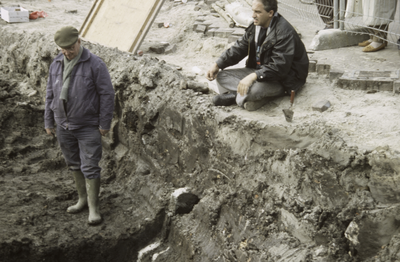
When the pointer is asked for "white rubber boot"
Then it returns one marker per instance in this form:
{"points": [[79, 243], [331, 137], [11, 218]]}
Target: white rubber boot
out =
{"points": [[93, 189], [81, 188]]}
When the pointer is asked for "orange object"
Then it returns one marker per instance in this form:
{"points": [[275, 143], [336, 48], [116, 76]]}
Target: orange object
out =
{"points": [[37, 14]]}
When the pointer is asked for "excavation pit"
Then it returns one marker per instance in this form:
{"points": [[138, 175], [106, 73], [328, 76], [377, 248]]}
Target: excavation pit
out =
{"points": [[322, 188]]}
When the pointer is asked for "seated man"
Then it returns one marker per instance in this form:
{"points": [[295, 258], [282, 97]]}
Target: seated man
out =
{"points": [[277, 61]]}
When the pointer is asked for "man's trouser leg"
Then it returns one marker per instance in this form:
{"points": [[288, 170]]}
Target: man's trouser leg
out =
{"points": [[229, 80], [82, 149]]}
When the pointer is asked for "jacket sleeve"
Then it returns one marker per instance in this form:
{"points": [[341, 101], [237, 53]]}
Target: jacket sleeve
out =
{"points": [[280, 61], [48, 112], [106, 93], [235, 53]]}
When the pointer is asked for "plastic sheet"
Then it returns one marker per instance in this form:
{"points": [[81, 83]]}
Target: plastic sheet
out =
{"points": [[37, 14]]}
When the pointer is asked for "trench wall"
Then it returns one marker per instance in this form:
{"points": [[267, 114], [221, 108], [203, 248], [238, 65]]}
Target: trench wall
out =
{"points": [[267, 192]]}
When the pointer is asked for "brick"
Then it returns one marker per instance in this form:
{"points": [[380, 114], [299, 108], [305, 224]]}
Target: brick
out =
{"points": [[321, 106], [368, 80], [158, 24], [200, 19], [238, 32], [210, 32], [207, 23], [205, 7], [170, 49], [373, 74], [323, 69], [233, 38], [158, 49], [312, 66], [366, 84], [223, 32], [396, 87], [335, 74], [203, 23], [195, 24], [213, 26], [201, 29]]}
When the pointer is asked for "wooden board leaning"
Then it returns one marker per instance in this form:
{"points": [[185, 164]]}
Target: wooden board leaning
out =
{"points": [[123, 23]]}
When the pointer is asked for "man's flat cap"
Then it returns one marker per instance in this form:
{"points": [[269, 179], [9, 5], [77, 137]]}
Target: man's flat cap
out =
{"points": [[66, 36]]}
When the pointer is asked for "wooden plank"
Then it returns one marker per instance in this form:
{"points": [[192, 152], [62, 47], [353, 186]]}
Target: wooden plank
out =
{"points": [[92, 16], [85, 23], [146, 26], [120, 23]]}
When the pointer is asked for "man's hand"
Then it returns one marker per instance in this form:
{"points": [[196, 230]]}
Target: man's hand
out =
{"points": [[50, 131], [104, 132], [212, 72], [245, 84]]}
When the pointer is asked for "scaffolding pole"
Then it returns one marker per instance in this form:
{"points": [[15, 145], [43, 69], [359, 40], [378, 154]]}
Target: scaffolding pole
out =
{"points": [[336, 14]]}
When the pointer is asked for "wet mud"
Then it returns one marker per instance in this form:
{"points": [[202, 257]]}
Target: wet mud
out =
{"points": [[183, 180]]}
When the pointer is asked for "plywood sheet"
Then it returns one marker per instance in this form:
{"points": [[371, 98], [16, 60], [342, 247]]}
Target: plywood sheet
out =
{"points": [[120, 23]]}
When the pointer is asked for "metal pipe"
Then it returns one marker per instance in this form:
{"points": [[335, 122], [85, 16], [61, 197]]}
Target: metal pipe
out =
{"points": [[336, 14], [341, 13]]}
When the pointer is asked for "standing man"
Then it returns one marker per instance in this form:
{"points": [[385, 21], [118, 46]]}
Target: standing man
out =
{"points": [[277, 61], [377, 15], [80, 100]]}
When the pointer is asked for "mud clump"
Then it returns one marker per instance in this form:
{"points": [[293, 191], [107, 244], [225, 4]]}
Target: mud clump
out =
{"points": [[255, 190]]}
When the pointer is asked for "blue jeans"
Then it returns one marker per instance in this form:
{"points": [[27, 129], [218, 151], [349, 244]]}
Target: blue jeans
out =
{"points": [[82, 149], [228, 80]]}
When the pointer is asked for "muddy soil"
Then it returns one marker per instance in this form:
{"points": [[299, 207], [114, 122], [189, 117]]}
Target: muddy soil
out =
{"points": [[183, 180]]}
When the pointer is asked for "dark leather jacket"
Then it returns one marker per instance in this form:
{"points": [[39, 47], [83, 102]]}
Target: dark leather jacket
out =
{"points": [[283, 56]]}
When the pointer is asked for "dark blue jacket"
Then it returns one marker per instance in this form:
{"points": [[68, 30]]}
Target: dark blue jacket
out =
{"points": [[90, 94], [283, 55]]}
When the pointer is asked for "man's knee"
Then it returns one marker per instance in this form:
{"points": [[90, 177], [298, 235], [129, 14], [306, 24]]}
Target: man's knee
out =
{"points": [[221, 77], [226, 82], [262, 90]]}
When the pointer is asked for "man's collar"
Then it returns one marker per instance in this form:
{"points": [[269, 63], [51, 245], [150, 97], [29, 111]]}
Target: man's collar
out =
{"points": [[273, 18], [270, 23]]}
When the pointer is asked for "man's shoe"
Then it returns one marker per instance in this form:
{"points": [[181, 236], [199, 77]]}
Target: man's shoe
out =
{"points": [[370, 48], [224, 99], [365, 43], [254, 105]]}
